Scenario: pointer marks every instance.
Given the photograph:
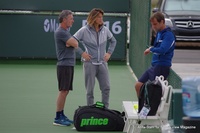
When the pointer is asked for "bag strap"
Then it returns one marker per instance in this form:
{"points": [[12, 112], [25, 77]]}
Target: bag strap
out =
{"points": [[146, 94], [141, 89]]}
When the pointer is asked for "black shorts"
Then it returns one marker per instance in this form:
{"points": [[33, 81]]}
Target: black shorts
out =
{"points": [[154, 71], [65, 75]]}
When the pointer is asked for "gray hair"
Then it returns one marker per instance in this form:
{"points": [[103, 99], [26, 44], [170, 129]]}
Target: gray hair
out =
{"points": [[64, 14]]}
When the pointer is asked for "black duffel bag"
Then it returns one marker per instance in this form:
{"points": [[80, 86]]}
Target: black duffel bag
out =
{"points": [[98, 118], [150, 96]]}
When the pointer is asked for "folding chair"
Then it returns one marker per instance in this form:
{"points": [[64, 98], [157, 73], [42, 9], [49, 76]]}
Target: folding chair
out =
{"points": [[132, 122]]}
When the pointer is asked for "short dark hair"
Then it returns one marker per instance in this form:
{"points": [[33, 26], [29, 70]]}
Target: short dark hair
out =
{"points": [[64, 14], [158, 16]]}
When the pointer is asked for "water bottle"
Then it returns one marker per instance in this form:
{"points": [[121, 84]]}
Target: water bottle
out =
{"points": [[191, 96]]}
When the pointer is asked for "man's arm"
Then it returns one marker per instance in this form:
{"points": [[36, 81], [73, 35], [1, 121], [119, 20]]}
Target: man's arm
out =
{"points": [[72, 42], [147, 51], [167, 42]]}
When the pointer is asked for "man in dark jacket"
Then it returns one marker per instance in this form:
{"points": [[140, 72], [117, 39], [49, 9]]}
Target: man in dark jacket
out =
{"points": [[162, 50]]}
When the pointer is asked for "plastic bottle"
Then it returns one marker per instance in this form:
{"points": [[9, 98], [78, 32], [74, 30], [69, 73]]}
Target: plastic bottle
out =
{"points": [[191, 96]]}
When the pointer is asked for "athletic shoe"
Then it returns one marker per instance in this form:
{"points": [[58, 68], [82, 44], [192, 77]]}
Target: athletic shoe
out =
{"points": [[61, 122], [67, 119]]}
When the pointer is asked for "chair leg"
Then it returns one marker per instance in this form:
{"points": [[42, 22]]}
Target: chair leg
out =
{"points": [[129, 126], [133, 127], [126, 126], [165, 126], [137, 128]]}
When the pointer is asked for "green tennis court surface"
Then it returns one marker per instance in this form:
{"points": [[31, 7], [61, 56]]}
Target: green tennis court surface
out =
{"points": [[28, 95]]}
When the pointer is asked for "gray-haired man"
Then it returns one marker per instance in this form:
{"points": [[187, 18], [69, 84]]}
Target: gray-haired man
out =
{"points": [[65, 51]]}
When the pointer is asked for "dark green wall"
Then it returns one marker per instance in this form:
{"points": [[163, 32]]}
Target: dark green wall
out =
{"points": [[74, 5], [32, 36]]}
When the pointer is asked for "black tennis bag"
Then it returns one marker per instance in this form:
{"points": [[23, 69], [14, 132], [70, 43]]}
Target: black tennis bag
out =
{"points": [[98, 118], [150, 96]]}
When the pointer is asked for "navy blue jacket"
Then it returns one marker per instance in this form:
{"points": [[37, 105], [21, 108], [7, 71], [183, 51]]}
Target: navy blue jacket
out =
{"points": [[163, 48]]}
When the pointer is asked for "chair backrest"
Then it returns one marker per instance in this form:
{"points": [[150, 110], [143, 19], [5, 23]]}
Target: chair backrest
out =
{"points": [[164, 106]]}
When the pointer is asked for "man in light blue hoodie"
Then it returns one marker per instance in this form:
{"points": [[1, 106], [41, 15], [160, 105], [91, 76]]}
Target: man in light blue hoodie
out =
{"points": [[94, 38]]}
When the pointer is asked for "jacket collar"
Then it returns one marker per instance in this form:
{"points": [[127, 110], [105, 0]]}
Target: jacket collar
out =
{"points": [[94, 28]]}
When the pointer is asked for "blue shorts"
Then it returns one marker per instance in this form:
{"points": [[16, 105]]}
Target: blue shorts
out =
{"points": [[154, 71]]}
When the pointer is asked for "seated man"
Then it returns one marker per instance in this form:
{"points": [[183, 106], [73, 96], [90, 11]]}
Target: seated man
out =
{"points": [[162, 49]]}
